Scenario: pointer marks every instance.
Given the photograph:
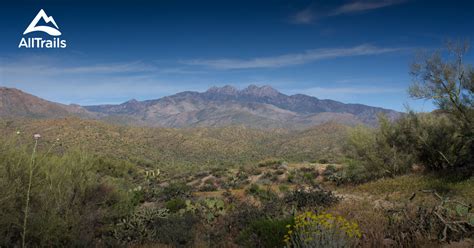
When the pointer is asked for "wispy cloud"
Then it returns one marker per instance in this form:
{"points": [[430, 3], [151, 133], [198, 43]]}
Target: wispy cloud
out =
{"points": [[360, 6], [110, 68], [304, 16], [49, 67], [324, 91], [310, 13], [291, 59]]}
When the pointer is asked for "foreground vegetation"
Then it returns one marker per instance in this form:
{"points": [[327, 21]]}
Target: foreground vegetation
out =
{"points": [[82, 200]]}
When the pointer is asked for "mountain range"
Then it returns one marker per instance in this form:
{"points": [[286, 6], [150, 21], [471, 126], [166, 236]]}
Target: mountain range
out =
{"points": [[254, 106]]}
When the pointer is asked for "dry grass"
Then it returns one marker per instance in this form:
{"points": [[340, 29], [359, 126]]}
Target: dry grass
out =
{"points": [[402, 187]]}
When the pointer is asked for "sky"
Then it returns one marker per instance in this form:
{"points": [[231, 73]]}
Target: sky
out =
{"points": [[354, 51]]}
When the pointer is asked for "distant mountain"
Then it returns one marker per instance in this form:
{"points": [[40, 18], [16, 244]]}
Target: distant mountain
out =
{"points": [[16, 103], [261, 107], [258, 107]]}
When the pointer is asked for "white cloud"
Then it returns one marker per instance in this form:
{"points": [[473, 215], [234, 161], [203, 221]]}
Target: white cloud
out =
{"points": [[360, 6], [352, 90], [48, 67], [304, 16], [291, 59], [310, 14]]}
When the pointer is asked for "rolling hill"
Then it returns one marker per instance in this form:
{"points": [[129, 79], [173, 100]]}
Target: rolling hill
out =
{"points": [[173, 147], [16, 103]]}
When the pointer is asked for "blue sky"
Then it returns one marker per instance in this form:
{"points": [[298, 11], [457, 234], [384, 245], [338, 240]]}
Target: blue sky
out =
{"points": [[355, 51]]}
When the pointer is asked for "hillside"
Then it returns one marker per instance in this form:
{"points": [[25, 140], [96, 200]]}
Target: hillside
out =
{"points": [[198, 147], [16, 103]]}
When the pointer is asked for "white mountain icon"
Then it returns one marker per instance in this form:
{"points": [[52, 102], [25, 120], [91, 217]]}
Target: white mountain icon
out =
{"points": [[49, 30]]}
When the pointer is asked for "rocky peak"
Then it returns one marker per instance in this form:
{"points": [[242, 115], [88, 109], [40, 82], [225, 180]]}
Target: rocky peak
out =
{"points": [[226, 90], [263, 91], [130, 102]]}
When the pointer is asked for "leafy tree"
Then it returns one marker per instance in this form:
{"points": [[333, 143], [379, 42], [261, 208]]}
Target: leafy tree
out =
{"points": [[449, 82], [446, 80]]}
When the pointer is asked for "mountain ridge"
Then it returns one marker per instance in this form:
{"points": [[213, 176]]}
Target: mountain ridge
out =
{"points": [[17, 103], [253, 106]]}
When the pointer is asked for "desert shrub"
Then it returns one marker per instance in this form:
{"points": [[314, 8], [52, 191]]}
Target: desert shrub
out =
{"points": [[423, 135], [268, 178], [283, 188], [267, 175], [219, 172], [262, 194], [307, 170], [291, 176], [323, 161], [156, 225], [70, 203], [302, 198], [211, 184], [321, 230], [378, 151], [174, 205], [414, 138], [238, 181], [138, 226], [208, 209], [202, 174], [354, 172], [394, 147], [240, 218], [280, 171], [309, 177], [175, 230], [114, 168], [265, 232], [176, 190], [329, 170], [303, 175], [243, 214], [253, 189], [255, 171], [208, 187], [270, 163]]}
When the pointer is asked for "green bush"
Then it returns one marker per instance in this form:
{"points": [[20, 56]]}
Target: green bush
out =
{"points": [[175, 230], [262, 194], [354, 173], [265, 233], [70, 203], [323, 161], [330, 169], [156, 225], [424, 136], [174, 205], [378, 151], [283, 188], [270, 163], [176, 190], [394, 147], [138, 226], [303, 198]]}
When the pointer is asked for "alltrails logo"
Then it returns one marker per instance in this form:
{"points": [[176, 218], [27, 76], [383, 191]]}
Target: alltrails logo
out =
{"points": [[39, 42]]}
